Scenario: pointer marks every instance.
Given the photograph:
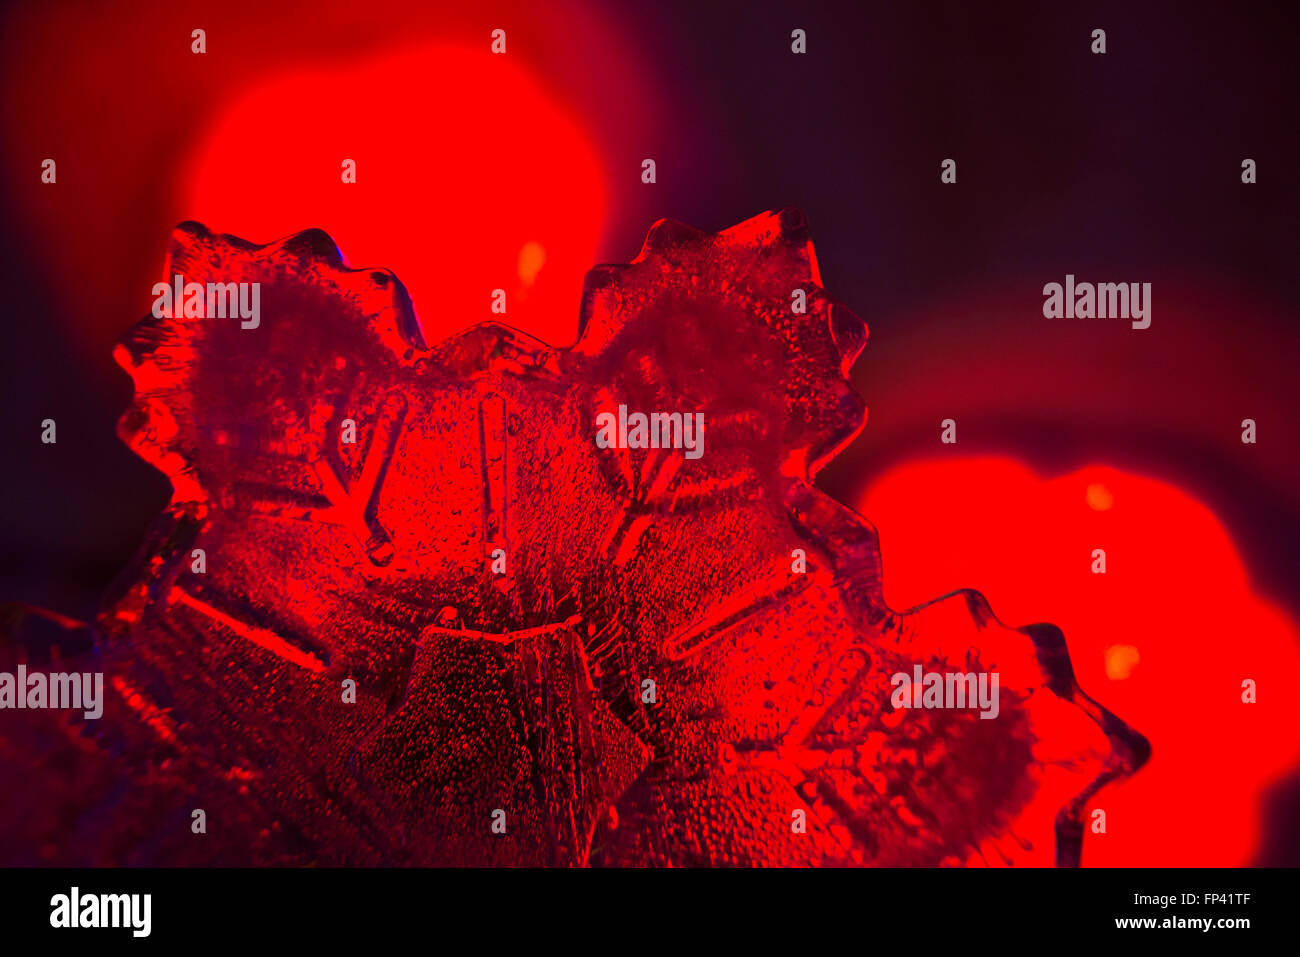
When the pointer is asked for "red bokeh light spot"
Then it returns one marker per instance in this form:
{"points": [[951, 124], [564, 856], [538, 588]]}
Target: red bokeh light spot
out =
{"points": [[469, 178], [1164, 638]]}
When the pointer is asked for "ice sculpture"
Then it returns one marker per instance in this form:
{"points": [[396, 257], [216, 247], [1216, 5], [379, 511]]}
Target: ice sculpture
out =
{"points": [[404, 608]]}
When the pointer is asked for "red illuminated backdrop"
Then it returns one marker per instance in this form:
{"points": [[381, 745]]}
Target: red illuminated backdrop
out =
{"points": [[474, 175]]}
